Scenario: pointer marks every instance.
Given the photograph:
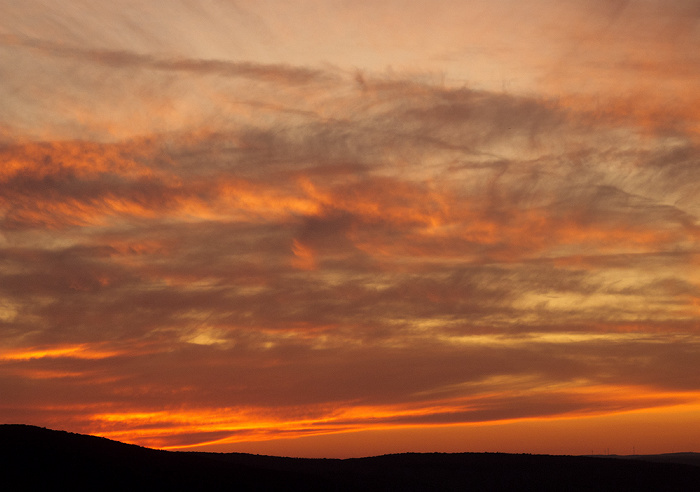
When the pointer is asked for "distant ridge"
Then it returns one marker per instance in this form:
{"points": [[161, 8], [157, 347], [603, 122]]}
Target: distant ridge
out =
{"points": [[680, 458], [41, 459]]}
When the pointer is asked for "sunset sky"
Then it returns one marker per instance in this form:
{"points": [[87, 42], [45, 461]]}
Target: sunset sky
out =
{"points": [[334, 228]]}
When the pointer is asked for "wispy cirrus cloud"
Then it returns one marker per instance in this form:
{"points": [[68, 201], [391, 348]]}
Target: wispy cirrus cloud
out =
{"points": [[133, 60]]}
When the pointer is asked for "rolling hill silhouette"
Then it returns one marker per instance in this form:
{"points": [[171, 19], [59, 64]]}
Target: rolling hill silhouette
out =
{"points": [[35, 458]]}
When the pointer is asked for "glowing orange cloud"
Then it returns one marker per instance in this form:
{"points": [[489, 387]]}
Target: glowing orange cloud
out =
{"points": [[82, 351], [170, 430]]}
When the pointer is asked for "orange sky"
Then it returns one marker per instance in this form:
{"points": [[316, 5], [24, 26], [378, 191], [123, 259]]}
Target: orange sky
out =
{"points": [[328, 228]]}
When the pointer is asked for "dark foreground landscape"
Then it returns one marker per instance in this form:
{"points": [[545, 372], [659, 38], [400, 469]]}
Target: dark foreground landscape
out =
{"points": [[35, 458]]}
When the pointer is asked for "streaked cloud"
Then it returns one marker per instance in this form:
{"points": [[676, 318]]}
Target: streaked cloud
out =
{"points": [[203, 248]]}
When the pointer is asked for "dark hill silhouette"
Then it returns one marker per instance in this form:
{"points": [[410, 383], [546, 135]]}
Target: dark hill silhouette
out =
{"points": [[683, 458], [35, 458]]}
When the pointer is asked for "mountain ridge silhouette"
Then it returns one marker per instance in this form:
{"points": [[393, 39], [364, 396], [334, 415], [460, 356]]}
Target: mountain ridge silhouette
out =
{"points": [[37, 458]]}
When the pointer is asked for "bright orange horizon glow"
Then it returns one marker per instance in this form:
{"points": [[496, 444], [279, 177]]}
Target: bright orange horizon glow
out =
{"points": [[329, 228], [297, 437]]}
